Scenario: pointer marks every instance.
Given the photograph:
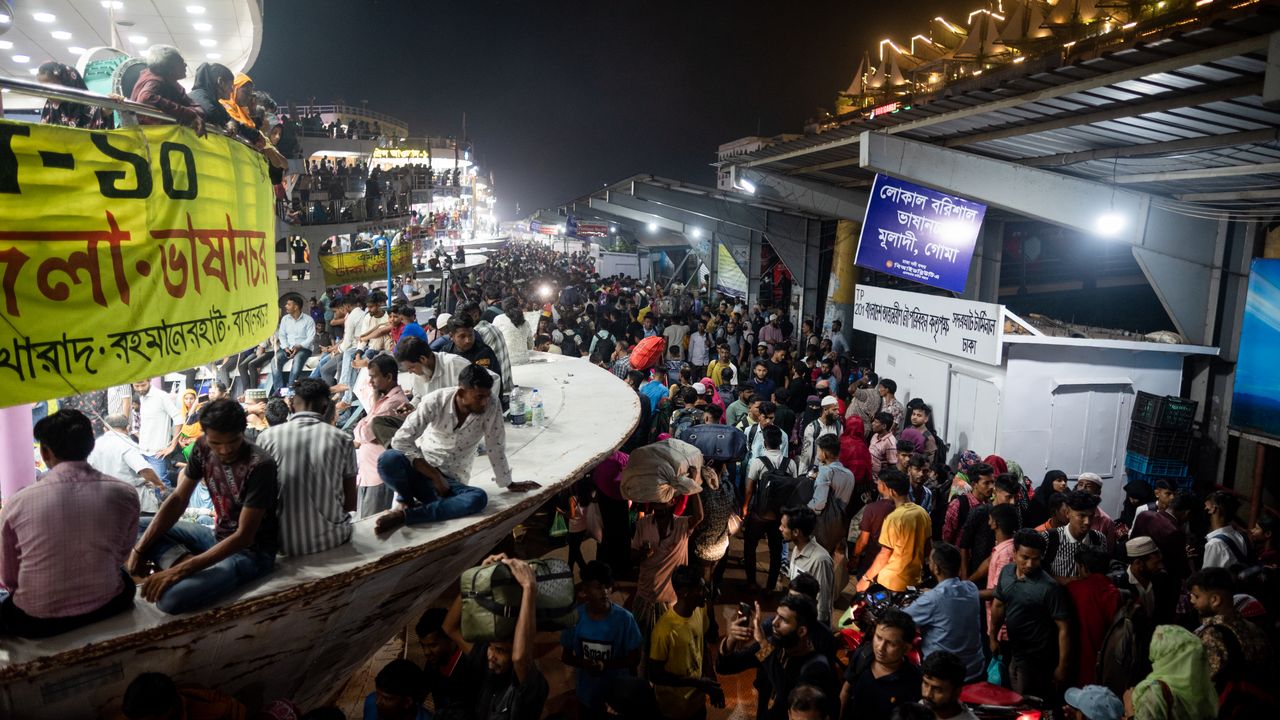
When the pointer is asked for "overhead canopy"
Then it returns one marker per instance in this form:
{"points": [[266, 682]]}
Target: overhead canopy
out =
{"points": [[1172, 134]]}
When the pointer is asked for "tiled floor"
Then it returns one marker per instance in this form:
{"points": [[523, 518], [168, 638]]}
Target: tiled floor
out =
{"points": [[740, 697]]}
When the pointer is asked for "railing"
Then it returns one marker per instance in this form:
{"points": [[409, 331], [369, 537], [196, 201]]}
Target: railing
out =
{"points": [[350, 110], [128, 109]]}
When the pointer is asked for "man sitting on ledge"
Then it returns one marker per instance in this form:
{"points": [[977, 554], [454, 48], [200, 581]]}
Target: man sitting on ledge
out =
{"points": [[62, 540], [429, 462], [198, 565]]}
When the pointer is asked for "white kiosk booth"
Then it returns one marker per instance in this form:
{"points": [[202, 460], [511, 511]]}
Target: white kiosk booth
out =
{"points": [[998, 385]]}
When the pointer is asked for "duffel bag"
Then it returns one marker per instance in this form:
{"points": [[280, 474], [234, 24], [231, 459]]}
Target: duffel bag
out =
{"points": [[491, 600], [717, 442], [648, 352], [658, 472]]}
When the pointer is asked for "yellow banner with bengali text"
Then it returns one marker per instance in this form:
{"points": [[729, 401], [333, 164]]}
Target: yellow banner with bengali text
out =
{"points": [[127, 254], [366, 265]]}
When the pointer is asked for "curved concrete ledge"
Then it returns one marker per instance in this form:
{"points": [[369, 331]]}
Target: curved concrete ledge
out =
{"points": [[298, 633]]}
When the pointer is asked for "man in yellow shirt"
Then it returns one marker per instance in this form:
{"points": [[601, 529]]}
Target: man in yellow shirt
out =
{"points": [[678, 649], [716, 369], [904, 537]]}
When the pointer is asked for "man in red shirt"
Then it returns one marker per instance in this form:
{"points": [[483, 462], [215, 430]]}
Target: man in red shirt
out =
{"points": [[1095, 600], [158, 87]]}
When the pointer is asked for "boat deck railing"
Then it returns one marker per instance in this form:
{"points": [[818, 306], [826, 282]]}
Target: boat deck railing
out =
{"points": [[129, 110]]}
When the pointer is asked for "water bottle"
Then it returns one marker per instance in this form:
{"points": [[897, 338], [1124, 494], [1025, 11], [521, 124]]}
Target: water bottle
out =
{"points": [[528, 407], [539, 415], [517, 407]]}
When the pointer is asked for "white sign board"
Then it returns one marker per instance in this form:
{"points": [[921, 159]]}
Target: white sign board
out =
{"points": [[963, 328]]}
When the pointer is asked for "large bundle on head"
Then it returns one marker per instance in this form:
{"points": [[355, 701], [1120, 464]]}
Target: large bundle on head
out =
{"points": [[491, 600], [648, 352], [660, 471]]}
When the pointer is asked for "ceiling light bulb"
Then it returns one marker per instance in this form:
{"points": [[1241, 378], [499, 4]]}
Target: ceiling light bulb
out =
{"points": [[138, 39], [6, 45], [61, 35], [44, 17], [5, 19], [76, 50], [1109, 224], [697, 233], [113, 4], [208, 42], [195, 9], [213, 56], [21, 59], [33, 71], [653, 227], [202, 26]]}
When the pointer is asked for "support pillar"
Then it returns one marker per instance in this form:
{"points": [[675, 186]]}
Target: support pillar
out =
{"points": [[844, 276], [753, 269], [17, 468]]}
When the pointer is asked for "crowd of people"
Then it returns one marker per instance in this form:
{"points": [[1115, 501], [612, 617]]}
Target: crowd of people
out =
{"points": [[353, 409]]}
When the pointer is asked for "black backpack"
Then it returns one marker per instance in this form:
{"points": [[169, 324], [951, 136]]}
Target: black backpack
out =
{"points": [[1122, 658], [775, 490]]}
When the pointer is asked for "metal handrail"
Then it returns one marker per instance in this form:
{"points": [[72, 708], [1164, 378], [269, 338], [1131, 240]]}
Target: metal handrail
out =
{"points": [[336, 108], [69, 94]]}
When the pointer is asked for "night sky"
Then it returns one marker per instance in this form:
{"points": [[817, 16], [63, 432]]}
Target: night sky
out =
{"points": [[564, 96]]}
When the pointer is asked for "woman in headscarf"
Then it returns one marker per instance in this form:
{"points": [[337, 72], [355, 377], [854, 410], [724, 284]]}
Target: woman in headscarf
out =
{"points": [[58, 112], [1178, 687], [1136, 494], [213, 84], [854, 453], [1038, 510], [713, 394], [239, 107], [998, 464]]}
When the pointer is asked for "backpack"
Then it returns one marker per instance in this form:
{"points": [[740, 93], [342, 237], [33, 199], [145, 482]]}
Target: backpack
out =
{"points": [[648, 352], [491, 600], [717, 442], [1242, 694], [1122, 657], [682, 420], [775, 490], [605, 344]]}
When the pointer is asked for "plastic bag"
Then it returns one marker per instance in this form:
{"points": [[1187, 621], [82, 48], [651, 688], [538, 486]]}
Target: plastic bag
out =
{"points": [[998, 672], [559, 526]]}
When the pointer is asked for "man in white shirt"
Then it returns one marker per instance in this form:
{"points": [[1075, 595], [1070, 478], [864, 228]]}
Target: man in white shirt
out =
{"points": [[429, 463], [351, 302], [159, 423], [675, 332], [828, 423], [1224, 545], [295, 335], [115, 454], [699, 352]]}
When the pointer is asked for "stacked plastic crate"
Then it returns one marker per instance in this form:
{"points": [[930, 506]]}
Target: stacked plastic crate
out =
{"points": [[1160, 440]]}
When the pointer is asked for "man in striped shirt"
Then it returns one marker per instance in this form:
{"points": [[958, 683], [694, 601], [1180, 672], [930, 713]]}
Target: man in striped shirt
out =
{"points": [[317, 474]]}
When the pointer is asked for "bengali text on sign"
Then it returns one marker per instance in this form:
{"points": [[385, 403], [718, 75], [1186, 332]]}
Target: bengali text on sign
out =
{"points": [[127, 254], [366, 265]]}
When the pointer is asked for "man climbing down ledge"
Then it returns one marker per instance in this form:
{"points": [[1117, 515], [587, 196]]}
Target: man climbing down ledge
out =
{"points": [[429, 462]]}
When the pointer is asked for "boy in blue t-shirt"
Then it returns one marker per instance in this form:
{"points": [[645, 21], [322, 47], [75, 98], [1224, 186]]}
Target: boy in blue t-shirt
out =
{"points": [[605, 644]]}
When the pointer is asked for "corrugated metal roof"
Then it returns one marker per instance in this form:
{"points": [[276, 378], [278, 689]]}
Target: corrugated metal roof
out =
{"points": [[1117, 107]]}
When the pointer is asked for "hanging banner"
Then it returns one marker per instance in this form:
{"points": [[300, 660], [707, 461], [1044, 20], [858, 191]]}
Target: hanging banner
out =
{"points": [[963, 328], [128, 254], [919, 234], [1255, 403], [366, 265]]}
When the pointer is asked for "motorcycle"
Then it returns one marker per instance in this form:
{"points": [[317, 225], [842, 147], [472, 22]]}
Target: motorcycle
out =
{"points": [[992, 702]]}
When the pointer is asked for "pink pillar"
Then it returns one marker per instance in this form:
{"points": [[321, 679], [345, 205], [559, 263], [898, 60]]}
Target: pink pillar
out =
{"points": [[17, 467]]}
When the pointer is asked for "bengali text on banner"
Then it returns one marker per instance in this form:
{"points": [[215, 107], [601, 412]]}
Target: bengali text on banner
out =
{"points": [[127, 254], [366, 265]]}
